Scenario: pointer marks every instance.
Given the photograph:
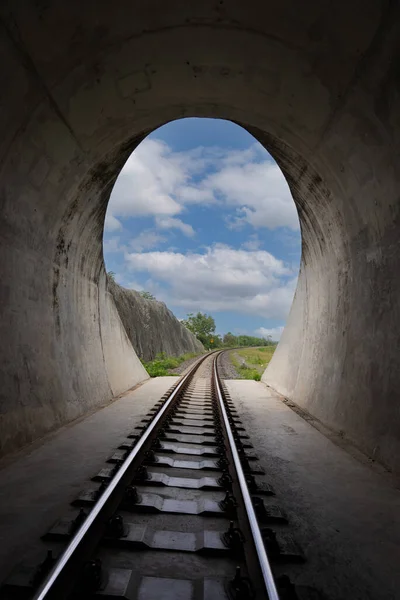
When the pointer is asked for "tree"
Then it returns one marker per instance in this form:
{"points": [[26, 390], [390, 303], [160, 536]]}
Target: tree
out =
{"points": [[217, 341], [203, 327], [147, 295], [111, 275], [230, 339]]}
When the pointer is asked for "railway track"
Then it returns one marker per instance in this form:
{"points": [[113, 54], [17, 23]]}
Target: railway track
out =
{"points": [[181, 511]]}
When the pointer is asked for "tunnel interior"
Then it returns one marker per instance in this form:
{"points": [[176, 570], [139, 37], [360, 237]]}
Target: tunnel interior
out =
{"points": [[319, 90]]}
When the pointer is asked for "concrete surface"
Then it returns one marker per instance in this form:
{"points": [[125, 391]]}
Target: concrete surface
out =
{"points": [[343, 513], [38, 483], [317, 86], [151, 327]]}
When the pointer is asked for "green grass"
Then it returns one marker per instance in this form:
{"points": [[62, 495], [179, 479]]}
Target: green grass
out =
{"points": [[163, 364], [256, 361]]}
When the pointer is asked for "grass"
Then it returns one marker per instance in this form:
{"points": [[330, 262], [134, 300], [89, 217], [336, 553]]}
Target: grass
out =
{"points": [[163, 364], [256, 361]]}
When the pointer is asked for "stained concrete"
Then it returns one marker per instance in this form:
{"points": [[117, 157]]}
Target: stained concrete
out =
{"points": [[317, 86], [151, 327], [343, 513], [38, 483]]}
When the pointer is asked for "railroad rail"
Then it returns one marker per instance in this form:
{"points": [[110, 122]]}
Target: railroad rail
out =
{"points": [[179, 512]]}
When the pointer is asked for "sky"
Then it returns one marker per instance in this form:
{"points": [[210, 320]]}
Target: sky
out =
{"points": [[202, 217]]}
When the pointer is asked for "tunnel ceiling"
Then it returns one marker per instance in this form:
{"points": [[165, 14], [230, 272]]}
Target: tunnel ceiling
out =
{"points": [[81, 88]]}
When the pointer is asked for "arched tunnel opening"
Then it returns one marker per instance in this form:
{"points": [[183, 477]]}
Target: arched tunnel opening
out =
{"points": [[318, 88], [201, 218]]}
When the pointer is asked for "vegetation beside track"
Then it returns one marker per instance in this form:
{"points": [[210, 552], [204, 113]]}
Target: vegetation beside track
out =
{"points": [[250, 363], [163, 364]]}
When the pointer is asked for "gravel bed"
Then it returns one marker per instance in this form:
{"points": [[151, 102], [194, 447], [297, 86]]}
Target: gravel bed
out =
{"points": [[205, 369], [183, 367], [226, 368]]}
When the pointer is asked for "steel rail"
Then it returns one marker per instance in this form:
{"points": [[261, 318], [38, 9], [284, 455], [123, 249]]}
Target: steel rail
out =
{"points": [[44, 592], [255, 530]]}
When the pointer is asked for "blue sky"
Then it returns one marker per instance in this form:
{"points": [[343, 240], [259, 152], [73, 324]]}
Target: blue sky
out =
{"points": [[202, 217]]}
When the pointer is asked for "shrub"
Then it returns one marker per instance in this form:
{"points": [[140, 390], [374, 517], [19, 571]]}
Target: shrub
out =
{"points": [[162, 363], [248, 373]]}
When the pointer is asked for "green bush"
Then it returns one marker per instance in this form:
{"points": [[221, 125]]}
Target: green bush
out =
{"points": [[155, 370], [162, 364], [188, 356], [248, 373]]}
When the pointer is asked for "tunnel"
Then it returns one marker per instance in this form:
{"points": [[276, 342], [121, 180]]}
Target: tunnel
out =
{"points": [[317, 86]]}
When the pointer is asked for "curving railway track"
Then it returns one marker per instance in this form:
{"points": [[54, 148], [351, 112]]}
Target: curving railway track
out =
{"points": [[180, 512]]}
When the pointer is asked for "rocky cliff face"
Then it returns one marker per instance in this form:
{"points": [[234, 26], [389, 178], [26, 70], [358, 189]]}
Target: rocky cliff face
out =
{"points": [[151, 326]]}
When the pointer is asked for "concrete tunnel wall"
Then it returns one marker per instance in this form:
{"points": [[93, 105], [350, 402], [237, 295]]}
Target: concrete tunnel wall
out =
{"points": [[318, 87]]}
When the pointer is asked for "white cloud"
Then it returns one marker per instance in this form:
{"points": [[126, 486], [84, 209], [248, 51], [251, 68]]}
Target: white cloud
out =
{"points": [[146, 184], [259, 192], [159, 182], [252, 282], [146, 240], [172, 223], [253, 243], [274, 332], [134, 285], [112, 245], [162, 184], [111, 223]]}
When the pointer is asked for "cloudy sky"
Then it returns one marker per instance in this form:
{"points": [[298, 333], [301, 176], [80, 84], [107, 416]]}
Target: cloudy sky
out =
{"points": [[202, 217]]}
